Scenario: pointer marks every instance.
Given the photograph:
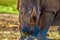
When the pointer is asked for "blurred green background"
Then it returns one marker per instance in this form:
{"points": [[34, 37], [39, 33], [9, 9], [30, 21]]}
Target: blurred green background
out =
{"points": [[8, 6]]}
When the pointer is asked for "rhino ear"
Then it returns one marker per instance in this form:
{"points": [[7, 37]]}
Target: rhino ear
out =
{"points": [[33, 12]]}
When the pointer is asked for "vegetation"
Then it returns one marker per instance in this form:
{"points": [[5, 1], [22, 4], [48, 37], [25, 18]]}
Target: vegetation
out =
{"points": [[8, 6]]}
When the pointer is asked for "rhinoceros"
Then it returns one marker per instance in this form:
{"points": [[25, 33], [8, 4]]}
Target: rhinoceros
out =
{"points": [[46, 12]]}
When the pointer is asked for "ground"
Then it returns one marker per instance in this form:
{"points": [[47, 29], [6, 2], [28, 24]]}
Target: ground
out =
{"points": [[9, 28]]}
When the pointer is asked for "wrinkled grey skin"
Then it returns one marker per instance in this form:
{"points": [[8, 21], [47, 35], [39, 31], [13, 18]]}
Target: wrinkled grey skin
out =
{"points": [[48, 9]]}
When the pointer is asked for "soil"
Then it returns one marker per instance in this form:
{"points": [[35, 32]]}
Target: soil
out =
{"points": [[9, 22], [9, 27]]}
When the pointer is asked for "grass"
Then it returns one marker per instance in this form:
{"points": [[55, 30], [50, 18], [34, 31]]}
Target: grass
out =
{"points": [[8, 6], [8, 2], [9, 35], [8, 9], [54, 35]]}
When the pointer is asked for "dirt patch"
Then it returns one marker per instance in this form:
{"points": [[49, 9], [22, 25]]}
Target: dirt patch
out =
{"points": [[9, 27], [8, 21]]}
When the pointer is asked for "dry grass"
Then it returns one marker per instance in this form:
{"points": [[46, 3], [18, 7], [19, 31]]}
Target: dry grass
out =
{"points": [[9, 35]]}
